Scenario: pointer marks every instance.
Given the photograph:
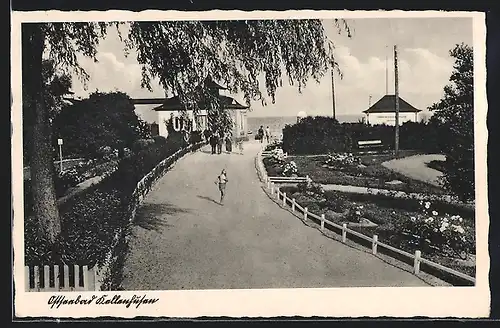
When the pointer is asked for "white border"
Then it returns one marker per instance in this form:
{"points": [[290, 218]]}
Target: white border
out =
{"points": [[332, 302]]}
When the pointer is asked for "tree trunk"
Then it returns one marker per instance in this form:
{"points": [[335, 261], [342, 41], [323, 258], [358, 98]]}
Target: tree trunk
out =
{"points": [[41, 154]]}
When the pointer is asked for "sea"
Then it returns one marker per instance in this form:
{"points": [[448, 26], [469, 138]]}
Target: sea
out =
{"points": [[277, 123]]}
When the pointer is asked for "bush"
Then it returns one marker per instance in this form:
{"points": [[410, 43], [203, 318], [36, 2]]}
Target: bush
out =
{"points": [[439, 233], [322, 135]]}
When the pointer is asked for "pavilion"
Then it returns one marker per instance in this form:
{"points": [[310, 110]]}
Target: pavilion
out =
{"points": [[384, 111]]}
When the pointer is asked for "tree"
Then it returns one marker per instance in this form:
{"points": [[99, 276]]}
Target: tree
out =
{"points": [[61, 41], [56, 84], [181, 54], [104, 119], [454, 116]]}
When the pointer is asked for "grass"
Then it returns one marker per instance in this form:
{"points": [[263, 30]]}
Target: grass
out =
{"points": [[372, 175], [389, 215], [437, 165]]}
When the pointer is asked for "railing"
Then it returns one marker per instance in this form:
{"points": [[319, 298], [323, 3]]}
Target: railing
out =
{"points": [[417, 258], [289, 179], [60, 278]]}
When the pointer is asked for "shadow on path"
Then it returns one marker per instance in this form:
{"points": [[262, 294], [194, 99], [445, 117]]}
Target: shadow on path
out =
{"points": [[209, 199], [149, 216]]}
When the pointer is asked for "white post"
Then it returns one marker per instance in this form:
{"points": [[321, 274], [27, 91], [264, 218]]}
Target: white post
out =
{"points": [[305, 214], [272, 188], [60, 142], [268, 183], [278, 192], [293, 204], [322, 222], [344, 232], [284, 199], [374, 244], [416, 264]]}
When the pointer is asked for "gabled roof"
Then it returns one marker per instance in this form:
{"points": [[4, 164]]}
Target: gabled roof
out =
{"points": [[387, 104], [173, 104]]}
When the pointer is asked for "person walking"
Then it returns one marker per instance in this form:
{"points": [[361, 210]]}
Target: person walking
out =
{"points": [[220, 141], [268, 134], [221, 182], [229, 144], [213, 143], [260, 133], [240, 146]]}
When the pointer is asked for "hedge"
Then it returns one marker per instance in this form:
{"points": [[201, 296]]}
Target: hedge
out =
{"points": [[321, 135]]}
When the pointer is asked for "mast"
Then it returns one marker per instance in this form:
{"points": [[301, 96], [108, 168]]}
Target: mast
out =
{"points": [[333, 93], [386, 73], [396, 95]]}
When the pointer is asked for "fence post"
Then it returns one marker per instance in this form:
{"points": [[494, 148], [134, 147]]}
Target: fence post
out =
{"points": [[278, 192], [27, 278], [86, 280], [344, 232], [268, 183], [416, 264], [374, 244], [305, 214], [46, 277], [272, 188], [293, 204], [36, 275], [56, 277], [284, 199], [322, 222]]}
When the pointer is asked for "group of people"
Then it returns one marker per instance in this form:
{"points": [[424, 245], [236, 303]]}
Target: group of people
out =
{"points": [[218, 139], [264, 134]]}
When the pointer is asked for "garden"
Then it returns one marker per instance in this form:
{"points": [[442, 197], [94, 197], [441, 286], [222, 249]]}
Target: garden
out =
{"points": [[443, 232], [347, 169]]}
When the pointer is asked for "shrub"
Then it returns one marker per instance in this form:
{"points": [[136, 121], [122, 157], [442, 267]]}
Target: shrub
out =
{"points": [[290, 169], [439, 233], [321, 135]]}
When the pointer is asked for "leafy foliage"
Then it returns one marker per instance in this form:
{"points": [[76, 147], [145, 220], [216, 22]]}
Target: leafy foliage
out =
{"points": [[104, 119], [322, 135], [454, 114]]}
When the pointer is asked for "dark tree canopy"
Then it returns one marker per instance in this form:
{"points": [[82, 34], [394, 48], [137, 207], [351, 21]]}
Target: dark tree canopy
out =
{"points": [[454, 116], [104, 119]]}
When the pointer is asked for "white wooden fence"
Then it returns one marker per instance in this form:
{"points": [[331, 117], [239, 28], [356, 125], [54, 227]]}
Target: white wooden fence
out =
{"points": [[417, 258], [288, 179], [57, 278]]}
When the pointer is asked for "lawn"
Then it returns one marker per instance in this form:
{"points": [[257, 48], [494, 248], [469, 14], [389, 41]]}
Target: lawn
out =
{"points": [[370, 174], [389, 214]]}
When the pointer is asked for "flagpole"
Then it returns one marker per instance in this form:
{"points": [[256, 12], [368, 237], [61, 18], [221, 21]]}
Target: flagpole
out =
{"points": [[396, 95], [333, 94]]}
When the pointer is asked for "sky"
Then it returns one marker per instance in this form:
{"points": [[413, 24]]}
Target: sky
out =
{"points": [[423, 56]]}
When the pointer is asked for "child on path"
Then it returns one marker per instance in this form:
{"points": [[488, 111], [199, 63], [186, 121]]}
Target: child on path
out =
{"points": [[240, 146], [222, 181]]}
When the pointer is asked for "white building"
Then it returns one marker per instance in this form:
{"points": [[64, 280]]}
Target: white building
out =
{"points": [[384, 111], [172, 108]]}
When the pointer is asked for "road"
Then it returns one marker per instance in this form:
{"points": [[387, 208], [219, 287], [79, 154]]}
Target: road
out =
{"points": [[184, 239], [415, 167]]}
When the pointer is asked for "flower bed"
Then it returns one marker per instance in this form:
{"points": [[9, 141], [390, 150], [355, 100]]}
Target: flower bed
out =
{"points": [[96, 223], [444, 233], [321, 170]]}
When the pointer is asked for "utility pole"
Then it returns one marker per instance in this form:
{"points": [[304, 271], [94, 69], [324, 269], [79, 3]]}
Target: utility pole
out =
{"points": [[386, 73], [333, 94], [396, 97]]}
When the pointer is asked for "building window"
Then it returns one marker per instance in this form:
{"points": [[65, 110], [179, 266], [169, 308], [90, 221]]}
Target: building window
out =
{"points": [[177, 124]]}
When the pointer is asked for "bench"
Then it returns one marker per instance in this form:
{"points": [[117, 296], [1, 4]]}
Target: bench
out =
{"points": [[363, 144]]}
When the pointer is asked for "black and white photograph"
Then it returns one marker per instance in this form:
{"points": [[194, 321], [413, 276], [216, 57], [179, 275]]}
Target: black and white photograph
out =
{"points": [[249, 164]]}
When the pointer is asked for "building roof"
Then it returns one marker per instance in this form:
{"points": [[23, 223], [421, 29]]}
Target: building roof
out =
{"points": [[174, 104], [387, 104]]}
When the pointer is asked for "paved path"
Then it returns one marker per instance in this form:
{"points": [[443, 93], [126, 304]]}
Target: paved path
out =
{"points": [[183, 239], [415, 167]]}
